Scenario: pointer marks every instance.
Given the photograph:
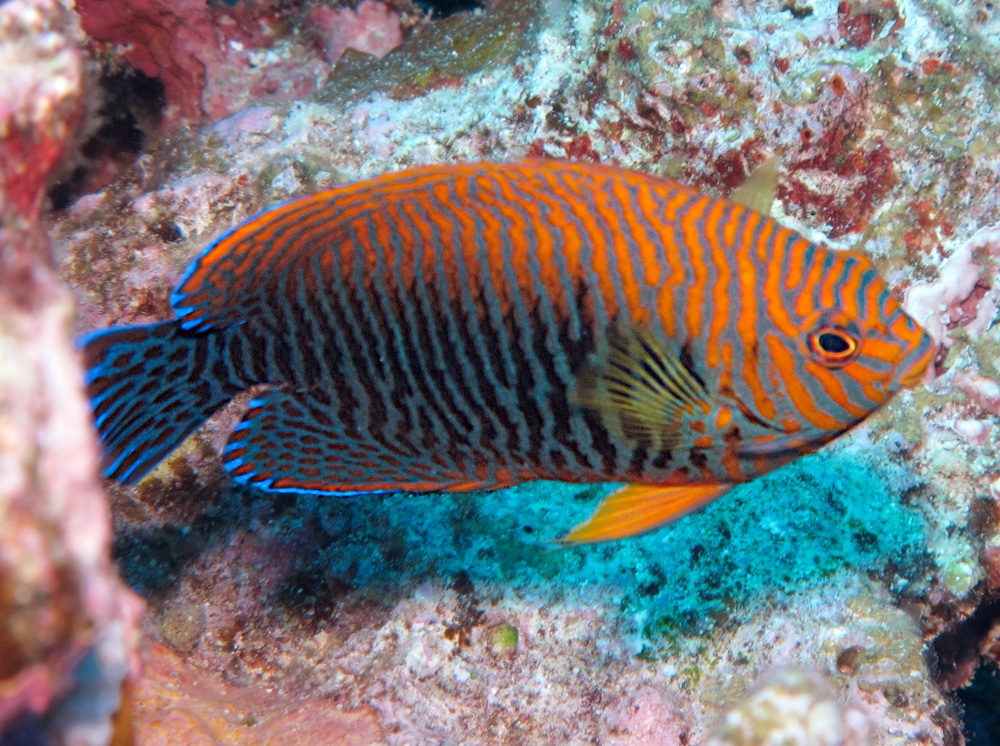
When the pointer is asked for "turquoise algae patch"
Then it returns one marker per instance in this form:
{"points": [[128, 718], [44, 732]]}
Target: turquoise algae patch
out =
{"points": [[785, 531]]}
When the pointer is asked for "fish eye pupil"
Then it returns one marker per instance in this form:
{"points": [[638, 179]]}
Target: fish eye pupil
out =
{"points": [[832, 346], [833, 343]]}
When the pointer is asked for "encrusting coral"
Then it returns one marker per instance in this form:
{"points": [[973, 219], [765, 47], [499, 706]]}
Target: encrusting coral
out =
{"points": [[792, 708], [68, 626]]}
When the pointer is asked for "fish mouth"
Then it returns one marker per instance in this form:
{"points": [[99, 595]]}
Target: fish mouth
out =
{"points": [[911, 369]]}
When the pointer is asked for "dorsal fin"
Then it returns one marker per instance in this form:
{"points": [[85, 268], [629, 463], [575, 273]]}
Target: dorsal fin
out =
{"points": [[240, 271], [641, 389], [758, 191]]}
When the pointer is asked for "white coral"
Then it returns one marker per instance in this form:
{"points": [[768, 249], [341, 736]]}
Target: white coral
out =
{"points": [[792, 707]]}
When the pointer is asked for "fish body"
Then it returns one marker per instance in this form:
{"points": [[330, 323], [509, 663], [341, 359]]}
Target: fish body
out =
{"points": [[476, 326]]}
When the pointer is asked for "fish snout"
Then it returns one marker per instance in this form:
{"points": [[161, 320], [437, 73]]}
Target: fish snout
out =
{"points": [[916, 361]]}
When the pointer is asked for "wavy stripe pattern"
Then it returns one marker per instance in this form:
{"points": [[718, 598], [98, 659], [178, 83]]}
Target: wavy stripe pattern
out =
{"points": [[426, 329]]}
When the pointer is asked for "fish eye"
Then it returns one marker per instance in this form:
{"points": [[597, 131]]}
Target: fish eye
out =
{"points": [[833, 346]]}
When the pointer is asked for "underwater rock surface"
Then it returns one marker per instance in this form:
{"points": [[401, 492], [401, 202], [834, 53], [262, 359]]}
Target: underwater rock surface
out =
{"points": [[69, 628], [434, 619], [214, 58]]}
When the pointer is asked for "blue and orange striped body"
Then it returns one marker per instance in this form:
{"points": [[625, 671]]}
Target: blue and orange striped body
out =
{"points": [[476, 326]]}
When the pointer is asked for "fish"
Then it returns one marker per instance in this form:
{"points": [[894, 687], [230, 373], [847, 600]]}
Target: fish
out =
{"points": [[475, 326]]}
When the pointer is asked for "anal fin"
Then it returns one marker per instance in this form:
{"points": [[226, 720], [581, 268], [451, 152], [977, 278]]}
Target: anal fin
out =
{"points": [[293, 442], [636, 508]]}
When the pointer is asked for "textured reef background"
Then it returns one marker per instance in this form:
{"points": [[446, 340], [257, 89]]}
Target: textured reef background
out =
{"points": [[849, 598]]}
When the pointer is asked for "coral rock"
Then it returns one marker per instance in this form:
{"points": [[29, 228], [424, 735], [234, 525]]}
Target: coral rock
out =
{"points": [[177, 704], [646, 719], [354, 599], [792, 708], [212, 60], [68, 628], [371, 28]]}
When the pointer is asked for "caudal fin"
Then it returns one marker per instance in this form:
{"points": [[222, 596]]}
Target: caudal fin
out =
{"points": [[150, 387]]}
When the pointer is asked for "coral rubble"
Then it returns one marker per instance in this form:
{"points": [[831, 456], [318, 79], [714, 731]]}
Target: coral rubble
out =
{"points": [[68, 626], [830, 591]]}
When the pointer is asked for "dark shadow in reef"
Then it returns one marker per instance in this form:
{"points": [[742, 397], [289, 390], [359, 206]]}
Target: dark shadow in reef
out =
{"points": [[958, 649], [786, 531], [445, 8], [131, 112], [154, 556], [26, 731], [981, 705]]}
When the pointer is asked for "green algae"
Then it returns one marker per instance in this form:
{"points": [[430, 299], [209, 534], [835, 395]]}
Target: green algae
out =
{"points": [[792, 529], [929, 97], [443, 53], [503, 639], [967, 40], [816, 517], [906, 419], [985, 350], [692, 33]]}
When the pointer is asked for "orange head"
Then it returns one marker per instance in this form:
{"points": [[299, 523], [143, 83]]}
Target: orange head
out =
{"points": [[836, 345]]}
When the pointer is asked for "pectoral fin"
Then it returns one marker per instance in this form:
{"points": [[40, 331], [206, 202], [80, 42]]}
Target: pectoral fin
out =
{"points": [[641, 389], [637, 508]]}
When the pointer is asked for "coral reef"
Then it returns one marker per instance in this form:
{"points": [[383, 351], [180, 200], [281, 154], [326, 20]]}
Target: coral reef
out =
{"points": [[793, 707], [68, 626], [216, 58], [181, 705], [371, 28], [193, 47], [443, 618]]}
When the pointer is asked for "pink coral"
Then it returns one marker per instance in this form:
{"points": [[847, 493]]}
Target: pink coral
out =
{"points": [[210, 58], [639, 85], [40, 105], [370, 28], [68, 628], [839, 172], [793, 707], [181, 704], [648, 718], [933, 303]]}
